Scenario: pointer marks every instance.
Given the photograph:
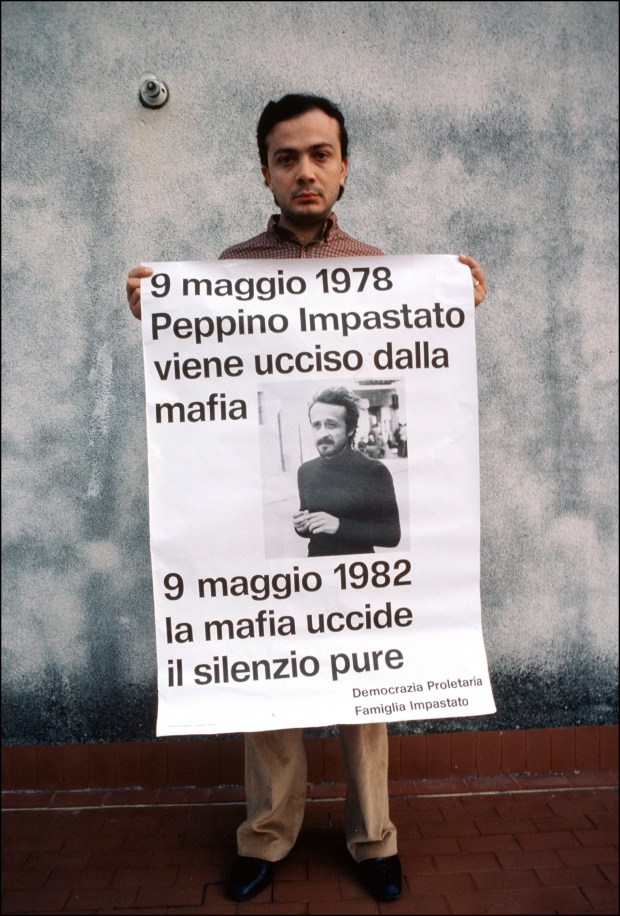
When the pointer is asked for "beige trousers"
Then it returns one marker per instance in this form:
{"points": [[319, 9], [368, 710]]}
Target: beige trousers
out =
{"points": [[275, 782]]}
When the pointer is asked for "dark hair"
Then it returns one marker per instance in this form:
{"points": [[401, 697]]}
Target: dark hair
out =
{"points": [[341, 397], [291, 106]]}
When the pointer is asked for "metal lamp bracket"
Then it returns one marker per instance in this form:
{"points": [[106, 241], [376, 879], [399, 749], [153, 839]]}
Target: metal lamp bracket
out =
{"points": [[153, 92]]}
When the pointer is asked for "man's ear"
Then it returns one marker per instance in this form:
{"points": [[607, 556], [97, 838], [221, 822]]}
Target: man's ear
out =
{"points": [[266, 175]]}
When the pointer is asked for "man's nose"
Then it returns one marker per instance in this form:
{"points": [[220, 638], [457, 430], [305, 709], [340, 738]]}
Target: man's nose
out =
{"points": [[305, 169]]}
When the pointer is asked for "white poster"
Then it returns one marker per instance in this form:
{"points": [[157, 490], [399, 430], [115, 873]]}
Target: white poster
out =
{"points": [[314, 492]]}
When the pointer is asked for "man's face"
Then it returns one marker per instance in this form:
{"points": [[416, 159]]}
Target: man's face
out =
{"points": [[329, 428], [305, 167]]}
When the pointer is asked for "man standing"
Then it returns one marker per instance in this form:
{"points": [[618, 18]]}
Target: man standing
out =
{"points": [[347, 500], [303, 149]]}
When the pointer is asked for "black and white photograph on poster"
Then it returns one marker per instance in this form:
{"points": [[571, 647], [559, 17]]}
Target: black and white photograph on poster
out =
{"points": [[334, 471], [313, 492]]}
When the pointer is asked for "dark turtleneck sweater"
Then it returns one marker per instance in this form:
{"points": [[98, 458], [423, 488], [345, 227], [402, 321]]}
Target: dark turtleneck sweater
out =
{"points": [[359, 491]]}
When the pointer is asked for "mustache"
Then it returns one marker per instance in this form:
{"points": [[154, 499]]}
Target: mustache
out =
{"points": [[326, 440]]}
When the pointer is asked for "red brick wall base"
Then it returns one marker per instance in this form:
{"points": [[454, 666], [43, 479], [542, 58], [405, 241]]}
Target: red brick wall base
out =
{"points": [[219, 762]]}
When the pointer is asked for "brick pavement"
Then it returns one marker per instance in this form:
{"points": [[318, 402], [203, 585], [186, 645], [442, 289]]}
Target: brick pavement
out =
{"points": [[480, 845]]}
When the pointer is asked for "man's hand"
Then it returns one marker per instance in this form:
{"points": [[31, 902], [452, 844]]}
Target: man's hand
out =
{"points": [[306, 522], [477, 277], [322, 523], [300, 521], [133, 289]]}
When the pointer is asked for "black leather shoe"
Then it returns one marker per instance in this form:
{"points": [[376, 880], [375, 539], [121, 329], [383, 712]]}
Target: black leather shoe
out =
{"points": [[248, 876], [382, 877]]}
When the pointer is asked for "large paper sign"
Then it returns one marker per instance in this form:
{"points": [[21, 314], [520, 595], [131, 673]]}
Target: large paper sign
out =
{"points": [[314, 492]]}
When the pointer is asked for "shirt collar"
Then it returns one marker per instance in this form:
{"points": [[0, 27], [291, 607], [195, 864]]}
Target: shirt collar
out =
{"points": [[330, 228]]}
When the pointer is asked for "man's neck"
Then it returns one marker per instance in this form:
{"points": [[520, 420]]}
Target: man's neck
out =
{"points": [[304, 233]]}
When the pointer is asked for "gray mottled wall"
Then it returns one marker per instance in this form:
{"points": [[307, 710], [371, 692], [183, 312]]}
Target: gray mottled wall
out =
{"points": [[484, 127]]}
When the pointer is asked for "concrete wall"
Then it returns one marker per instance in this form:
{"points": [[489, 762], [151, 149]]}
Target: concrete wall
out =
{"points": [[482, 127]]}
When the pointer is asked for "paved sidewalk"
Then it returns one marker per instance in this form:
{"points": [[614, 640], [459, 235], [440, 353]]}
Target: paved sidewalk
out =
{"points": [[487, 845]]}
